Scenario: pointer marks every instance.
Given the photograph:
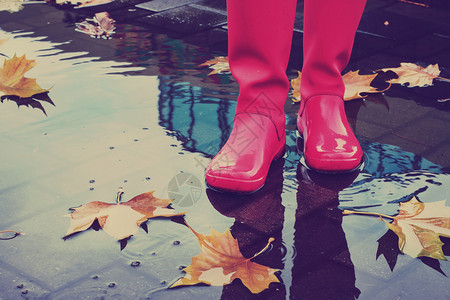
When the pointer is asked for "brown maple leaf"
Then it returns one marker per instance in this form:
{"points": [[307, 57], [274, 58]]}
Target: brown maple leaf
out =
{"points": [[414, 75], [219, 65], [101, 24], [355, 86], [12, 80], [220, 262], [11, 6], [120, 220], [418, 226]]}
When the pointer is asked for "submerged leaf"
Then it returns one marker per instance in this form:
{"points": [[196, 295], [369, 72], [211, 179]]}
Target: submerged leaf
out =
{"points": [[219, 65], [120, 220], [220, 262], [414, 75], [101, 25], [13, 81]]}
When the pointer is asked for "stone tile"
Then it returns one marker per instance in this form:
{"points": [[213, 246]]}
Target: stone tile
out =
{"points": [[43, 254], [427, 14], [417, 50], [398, 111], [366, 45], [162, 5], [186, 19], [14, 286], [16, 202], [399, 28], [53, 18], [218, 5], [439, 155], [368, 130], [427, 284], [208, 38], [427, 130], [405, 144], [118, 282], [128, 15], [27, 12]]}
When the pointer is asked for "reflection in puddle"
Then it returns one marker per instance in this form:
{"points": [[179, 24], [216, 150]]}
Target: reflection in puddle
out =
{"points": [[315, 248]]}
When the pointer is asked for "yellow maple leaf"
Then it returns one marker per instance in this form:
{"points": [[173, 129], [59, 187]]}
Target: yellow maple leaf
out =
{"points": [[120, 220], [12, 80], [414, 75], [418, 226], [220, 262], [355, 85], [11, 5], [219, 65]]}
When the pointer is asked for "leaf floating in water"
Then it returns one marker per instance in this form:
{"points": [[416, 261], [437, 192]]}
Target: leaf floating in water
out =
{"points": [[219, 65], [414, 75], [13, 81], [418, 226], [120, 220], [220, 262], [101, 25]]}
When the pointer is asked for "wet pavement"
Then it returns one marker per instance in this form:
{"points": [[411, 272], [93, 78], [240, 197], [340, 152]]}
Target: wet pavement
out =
{"points": [[136, 111]]}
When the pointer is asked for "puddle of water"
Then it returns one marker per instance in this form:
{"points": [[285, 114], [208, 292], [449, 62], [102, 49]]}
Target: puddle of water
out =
{"points": [[146, 112]]}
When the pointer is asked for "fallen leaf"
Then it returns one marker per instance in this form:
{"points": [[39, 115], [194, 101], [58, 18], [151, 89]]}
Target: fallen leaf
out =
{"points": [[414, 75], [418, 226], [355, 86], [101, 25], [219, 65], [120, 220], [12, 80], [11, 6], [220, 262]]}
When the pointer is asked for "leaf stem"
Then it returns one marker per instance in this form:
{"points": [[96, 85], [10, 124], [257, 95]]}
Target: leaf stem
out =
{"points": [[119, 195], [442, 78], [352, 212], [264, 249]]}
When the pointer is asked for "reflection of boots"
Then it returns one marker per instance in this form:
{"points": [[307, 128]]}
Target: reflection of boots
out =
{"points": [[259, 40], [329, 30]]}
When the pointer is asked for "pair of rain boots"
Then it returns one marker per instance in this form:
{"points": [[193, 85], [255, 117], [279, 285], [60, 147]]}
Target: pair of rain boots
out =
{"points": [[259, 43]]}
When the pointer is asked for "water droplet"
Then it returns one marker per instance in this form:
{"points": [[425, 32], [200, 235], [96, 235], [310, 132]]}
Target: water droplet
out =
{"points": [[154, 253], [111, 148], [176, 242], [163, 282], [125, 181], [180, 152], [111, 285], [136, 140], [173, 145], [145, 128], [91, 189], [135, 263], [147, 178], [91, 181], [25, 292], [181, 267], [20, 286], [95, 277]]}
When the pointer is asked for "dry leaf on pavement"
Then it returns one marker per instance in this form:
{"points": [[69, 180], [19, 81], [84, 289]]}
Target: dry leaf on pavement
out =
{"points": [[414, 75], [418, 226], [13, 80], [120, 220], [101, 25], [219, 65], [220, 262]]}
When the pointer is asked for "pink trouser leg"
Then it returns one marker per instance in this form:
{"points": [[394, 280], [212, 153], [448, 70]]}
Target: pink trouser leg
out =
{"points": [[259, 40], [329, 31]]}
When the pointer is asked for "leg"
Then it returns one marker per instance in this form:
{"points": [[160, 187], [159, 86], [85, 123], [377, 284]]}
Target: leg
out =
{"points": [[329, 31], [259, 40]]}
